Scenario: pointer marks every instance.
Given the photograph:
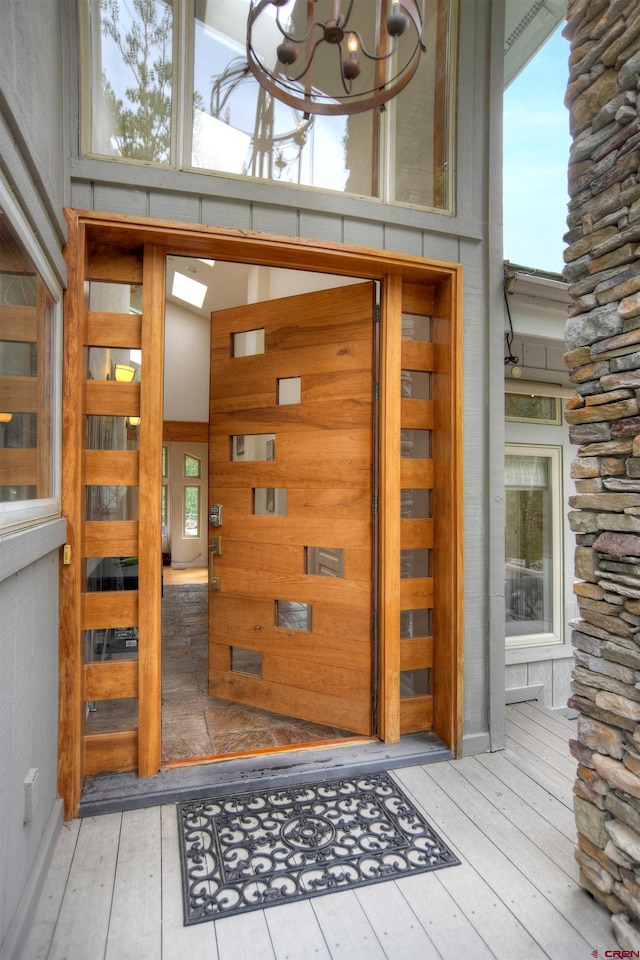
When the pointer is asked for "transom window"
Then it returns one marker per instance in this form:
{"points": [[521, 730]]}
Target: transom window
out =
{"points": [[153, 68]]}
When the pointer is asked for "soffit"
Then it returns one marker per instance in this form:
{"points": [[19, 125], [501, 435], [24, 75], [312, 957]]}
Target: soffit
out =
{"points": [[528, 25]]}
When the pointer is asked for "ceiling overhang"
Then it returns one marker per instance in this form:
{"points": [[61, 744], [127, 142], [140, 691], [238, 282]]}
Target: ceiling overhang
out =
{"points": [[528, 25]]}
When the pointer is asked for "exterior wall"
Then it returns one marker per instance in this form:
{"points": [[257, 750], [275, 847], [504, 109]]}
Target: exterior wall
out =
{"points": [[472, 237], [603, 337], [543, 672], [32, 150]]}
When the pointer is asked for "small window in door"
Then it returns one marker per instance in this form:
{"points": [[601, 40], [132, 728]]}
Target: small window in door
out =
{"points": [[247, 343], [324, 561], [289, 390], [246, 661], [293, 616]]}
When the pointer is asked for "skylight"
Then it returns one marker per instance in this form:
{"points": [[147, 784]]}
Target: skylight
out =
{"points": [[191, 291]]}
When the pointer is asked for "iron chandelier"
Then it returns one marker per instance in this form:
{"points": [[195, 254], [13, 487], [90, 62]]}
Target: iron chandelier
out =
{"points": [[353, 61]]}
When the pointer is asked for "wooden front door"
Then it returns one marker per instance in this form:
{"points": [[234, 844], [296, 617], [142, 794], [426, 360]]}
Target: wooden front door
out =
{"points": [[291, 466]]}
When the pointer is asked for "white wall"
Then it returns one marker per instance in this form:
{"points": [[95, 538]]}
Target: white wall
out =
{"points": [[186, 372]]}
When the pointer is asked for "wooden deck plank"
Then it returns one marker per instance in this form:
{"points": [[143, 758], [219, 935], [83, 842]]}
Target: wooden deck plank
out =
{"points": [[345, 927], [542, 830], [89, 891], [527, 752], [241, 937], [399, 931], [557, 810], [136, 908], [46, 914], [554, 721], [529, 853], [450, 931], [554, 745], [544, 747], [197, 942], [490, 918], [295, 932], [551, 930]]}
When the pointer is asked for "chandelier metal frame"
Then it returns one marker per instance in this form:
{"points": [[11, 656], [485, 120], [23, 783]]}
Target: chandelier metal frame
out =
{"points": [[296, 88]]}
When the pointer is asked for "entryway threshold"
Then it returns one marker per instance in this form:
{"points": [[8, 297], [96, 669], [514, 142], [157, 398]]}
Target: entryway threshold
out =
{"points": [[115, 792]]}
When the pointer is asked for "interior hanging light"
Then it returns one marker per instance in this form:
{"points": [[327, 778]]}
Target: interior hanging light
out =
{"points": [[365, 75]]}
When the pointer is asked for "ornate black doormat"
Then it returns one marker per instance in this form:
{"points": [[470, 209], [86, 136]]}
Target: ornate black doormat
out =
{"points": [[258, 849]]}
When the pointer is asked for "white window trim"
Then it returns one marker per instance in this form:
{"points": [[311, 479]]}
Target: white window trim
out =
{"points": [[23, 513], [554, 454]]}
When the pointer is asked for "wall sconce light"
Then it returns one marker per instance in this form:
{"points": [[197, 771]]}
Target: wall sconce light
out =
{"points": [[133, 421], [124, 373], [6, 417]]}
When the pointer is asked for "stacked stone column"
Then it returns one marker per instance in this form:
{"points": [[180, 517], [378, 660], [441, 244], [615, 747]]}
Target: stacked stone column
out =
{"points": [[602, 268]]}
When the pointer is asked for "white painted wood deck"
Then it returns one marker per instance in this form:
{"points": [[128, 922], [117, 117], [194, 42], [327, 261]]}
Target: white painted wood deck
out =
{"points": [[114, 888]]}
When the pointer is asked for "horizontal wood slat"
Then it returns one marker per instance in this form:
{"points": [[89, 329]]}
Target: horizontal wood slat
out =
{"points": [[114, 752], [334, 414], [112, 467], [418, 298], [19, 394], [416, 355], [187, 431], [416, 714], [327, 622], [322, 360], [256, 633], [114, 263], [110, 398], [18, 467], [18, 323], [416, 474], [117, 538], [415, 534], [416, 414], [112, 680], [332, 711], [114, 329], [416, 594], [109, 608], [416, 653]]}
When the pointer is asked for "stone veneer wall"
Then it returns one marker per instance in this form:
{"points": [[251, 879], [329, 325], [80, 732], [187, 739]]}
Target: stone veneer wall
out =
{"points": [[603, 341]]}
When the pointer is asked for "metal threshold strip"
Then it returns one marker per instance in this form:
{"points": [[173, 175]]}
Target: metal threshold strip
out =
{"points": [[112, 793]]}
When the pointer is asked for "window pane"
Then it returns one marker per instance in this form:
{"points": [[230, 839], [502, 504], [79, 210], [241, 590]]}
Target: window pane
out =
{"points": [[131, 79], [191, 511], [112, 503], [113, 643], [293, 615], [256, 446], [419, 117], [238, 128], [529, 561], [525, 407], [111, 433], [191, 466], [27, 312]]}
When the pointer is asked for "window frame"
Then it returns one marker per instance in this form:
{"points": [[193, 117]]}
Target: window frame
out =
{"points": [[553, 453], [20, 514]]}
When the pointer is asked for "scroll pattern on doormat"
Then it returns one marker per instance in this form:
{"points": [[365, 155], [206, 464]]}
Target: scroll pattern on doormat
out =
{"points": [[264, 847]]}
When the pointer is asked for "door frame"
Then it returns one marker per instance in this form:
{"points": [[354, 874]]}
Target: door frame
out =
{"points": [[103, 246]]}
